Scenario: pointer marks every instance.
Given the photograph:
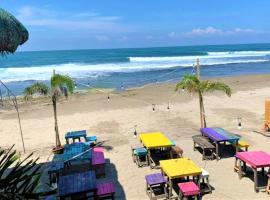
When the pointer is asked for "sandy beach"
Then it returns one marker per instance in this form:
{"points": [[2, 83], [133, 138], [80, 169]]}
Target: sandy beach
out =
{"points": [[113, 122]]}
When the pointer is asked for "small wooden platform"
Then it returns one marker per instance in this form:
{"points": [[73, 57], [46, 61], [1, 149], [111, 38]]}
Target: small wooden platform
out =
{"points": [[203, 143]]}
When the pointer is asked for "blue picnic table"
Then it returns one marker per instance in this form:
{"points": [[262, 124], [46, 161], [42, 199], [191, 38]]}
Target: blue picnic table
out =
{"points": [[78, 151], [75, 135], [77, 184], [219, 135]]}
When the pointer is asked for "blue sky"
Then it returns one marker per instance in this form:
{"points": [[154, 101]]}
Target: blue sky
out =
{"points": [[84, 24]]}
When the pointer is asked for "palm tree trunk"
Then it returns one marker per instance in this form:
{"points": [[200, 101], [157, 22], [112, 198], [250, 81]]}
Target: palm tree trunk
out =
{"points": [[202, 113], [57, 138]]}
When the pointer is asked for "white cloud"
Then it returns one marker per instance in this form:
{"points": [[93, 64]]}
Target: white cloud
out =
{"points": [[103, 38], [215, 31], [205, 31], [172, 34], [123, 39], [91, 21], [149, 37]]}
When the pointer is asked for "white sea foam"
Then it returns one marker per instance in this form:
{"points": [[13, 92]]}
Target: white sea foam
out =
{"points": [[210, 55], [81, 70]]}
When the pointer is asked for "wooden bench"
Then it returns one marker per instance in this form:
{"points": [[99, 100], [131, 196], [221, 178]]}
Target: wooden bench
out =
{"points": [[242, 144], [105, 190], [203, 143], [98, 161]]}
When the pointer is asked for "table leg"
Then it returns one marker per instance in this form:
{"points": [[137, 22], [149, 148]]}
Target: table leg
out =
{"points": [[171, 154], [217, 151], [236, 147], [170, 188], [240, 169], [263, 171], [255, 179]]}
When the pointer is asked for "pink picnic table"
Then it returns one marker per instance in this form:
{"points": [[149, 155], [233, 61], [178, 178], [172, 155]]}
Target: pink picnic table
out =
{"points": [[256, 160]]}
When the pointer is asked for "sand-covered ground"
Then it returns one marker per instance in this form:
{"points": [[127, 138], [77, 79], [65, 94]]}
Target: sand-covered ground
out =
{"points": [[114, 121]]}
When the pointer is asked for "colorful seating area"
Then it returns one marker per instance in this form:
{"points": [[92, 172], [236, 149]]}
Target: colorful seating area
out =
{"points": [[255, 160], [178, 178], [158, 147], [221, 138], [75, 172]]}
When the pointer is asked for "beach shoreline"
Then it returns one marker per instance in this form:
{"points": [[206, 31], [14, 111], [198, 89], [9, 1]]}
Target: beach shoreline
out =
{"points": [[113, 123]]}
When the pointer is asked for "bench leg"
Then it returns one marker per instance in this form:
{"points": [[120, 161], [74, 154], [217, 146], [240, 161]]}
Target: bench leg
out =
{"points": [[255, 180], [203, 158], [217, 151]]}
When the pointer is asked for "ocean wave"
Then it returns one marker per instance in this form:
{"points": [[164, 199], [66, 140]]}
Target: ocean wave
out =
{"points": [[94, 71], [210, 55]]}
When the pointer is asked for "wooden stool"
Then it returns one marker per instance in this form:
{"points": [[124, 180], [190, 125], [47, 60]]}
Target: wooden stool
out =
{"points": [[98, 161], [140, 156], [155, 186], [205, 181], [105, 190], [177, 152], [268, 185], [242, 144], [188, 189]]}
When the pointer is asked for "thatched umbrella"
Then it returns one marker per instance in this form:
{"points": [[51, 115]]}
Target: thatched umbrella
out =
{"points": [[12, 33]]}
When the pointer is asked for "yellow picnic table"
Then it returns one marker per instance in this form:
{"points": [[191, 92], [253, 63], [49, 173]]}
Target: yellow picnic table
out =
{"points": [[155, 140], [179, 168]]}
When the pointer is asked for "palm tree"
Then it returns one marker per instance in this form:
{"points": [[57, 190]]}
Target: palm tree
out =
{"points": [[58, 82], [193, 85]]}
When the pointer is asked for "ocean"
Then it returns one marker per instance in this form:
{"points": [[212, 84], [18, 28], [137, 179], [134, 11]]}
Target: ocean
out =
{"points": [[125, 68]]}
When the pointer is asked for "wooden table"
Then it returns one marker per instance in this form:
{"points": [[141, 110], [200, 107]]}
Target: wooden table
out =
{"points": [[75, 151], [155, 140], [75, 135], [78, 183], [179, 168], [256, 160], [219, 135]]}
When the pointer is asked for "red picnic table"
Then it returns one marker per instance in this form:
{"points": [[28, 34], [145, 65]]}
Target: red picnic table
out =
{"points": [[256, 160]]}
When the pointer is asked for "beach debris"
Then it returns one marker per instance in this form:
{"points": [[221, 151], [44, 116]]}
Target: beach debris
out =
{"points": [[135, 131], [108, 98], [168, 106], [154, 107], [239, 121]]}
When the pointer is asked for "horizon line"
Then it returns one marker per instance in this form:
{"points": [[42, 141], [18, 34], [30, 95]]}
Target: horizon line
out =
{"points": [[147, 47]]}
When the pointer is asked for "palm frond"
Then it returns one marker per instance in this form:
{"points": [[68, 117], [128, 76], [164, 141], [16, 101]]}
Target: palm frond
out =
{"points": [[190, 83], [59, 80], [36, 88], [18, 179], [208, 86]]}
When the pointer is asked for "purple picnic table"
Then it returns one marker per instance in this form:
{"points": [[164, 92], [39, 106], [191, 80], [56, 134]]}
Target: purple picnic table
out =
{"points": [[217, 138], [78, 183], [256, 159]]}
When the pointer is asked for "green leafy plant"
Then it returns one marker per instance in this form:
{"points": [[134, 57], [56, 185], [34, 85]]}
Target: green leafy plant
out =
{"points": [[18, 178], [36, 88], [193, 85]]}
